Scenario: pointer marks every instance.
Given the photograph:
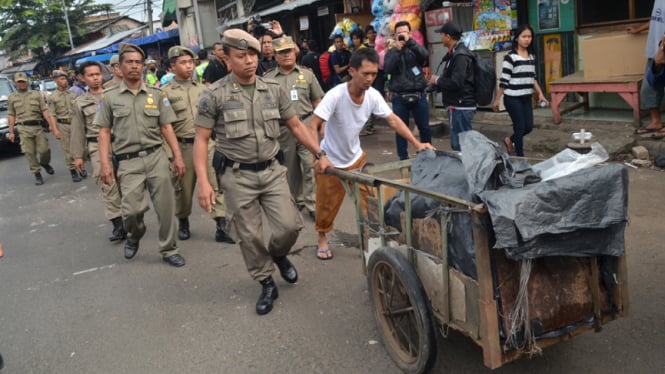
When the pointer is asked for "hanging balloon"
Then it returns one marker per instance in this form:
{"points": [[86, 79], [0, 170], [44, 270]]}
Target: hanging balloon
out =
{"points": [[377, 8], [378, 43], [417, 35], [389, 6]]}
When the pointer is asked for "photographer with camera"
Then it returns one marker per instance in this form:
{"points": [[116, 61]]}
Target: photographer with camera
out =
{"points": [[266, 32], [407, 82]]}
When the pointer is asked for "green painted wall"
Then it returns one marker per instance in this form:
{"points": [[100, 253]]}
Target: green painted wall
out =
{"points": [[566, 21]]}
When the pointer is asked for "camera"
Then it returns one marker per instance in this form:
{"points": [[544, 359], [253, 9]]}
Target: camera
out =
{"points": [[401, 38], [259, 28]]}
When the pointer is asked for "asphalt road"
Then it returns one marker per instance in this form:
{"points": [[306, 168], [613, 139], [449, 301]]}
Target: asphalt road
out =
{"points": [[70, 303]]}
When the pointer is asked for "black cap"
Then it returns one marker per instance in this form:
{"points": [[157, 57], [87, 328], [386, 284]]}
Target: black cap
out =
{"points": [[450, 28]]}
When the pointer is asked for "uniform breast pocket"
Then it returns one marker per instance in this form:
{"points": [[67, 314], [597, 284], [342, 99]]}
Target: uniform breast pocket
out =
{"points": [[121, 112], [151, 112], [179, 106], [19, 108], [235, 124], [33, 105], [271, 119], [89, 113]]}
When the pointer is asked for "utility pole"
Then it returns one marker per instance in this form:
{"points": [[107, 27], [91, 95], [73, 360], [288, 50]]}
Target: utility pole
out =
{"points": [[69, 31], [148, 5]]}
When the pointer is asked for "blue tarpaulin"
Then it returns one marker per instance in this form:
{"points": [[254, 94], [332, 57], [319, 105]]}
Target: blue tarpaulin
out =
{"points": [[170, 35], [99, 58]]}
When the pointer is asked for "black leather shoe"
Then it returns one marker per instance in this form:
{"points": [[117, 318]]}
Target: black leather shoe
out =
{"points": [[220, 234], [83, 173], [268, 294], [130, 249], [48, 169], [175, 260], [75, 176], [119, 232], [38, 179], [183, 229], [286, 269]]}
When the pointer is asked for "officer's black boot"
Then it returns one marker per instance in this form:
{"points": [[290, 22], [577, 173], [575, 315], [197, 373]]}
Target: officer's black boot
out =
{"points": [[83, 173], [38, 179], [48, 168], [119, 232], [75, 176], [220, 234], [268, 294], [183, 230], [286, 269]]}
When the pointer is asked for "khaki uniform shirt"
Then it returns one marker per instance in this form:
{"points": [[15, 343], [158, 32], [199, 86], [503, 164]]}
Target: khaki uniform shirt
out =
{"points": [[110, 84], [136, 119], [60, 104], [183, 96], [301, 87], [83, 113], [247, 128], [26, 106]]}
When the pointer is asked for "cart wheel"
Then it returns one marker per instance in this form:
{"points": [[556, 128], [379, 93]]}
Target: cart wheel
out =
{"points": [[402, 311]]}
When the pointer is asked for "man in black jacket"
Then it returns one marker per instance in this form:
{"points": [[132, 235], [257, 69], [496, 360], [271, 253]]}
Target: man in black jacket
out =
{"points": [[216, 68], [457, 82], [407, 82]]}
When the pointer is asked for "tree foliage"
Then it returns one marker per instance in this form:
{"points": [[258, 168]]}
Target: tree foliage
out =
{"points": [[39, 25]]}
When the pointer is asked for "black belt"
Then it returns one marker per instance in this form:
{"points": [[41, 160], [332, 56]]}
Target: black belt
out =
{"points": [[64, 121], [30, 123], [305, 115], [259, 166], [186, 140], [131, 155]]}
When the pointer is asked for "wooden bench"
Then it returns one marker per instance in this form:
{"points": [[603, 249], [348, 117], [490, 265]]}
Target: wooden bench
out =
{"points": [[627, 86]]}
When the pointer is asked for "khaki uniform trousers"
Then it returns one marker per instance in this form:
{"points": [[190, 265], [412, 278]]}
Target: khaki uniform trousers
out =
{"points": [[299, 163], [330, 195], [110, 193], [151, 171], [184, 187], [219, 209], [65, 142], [248, 193], [33, 143]]}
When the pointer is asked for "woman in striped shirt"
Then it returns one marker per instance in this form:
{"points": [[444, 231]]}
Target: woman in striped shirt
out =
{"points": [[517, 85]]}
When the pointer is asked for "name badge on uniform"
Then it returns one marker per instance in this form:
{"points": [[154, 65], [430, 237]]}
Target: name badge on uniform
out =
{"points": [[294, 95]]}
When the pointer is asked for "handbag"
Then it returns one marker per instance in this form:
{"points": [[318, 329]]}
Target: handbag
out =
{"points": [[409, 98]]}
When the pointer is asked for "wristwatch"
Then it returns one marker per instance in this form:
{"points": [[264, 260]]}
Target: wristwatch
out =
{"points": [[320, 154]]}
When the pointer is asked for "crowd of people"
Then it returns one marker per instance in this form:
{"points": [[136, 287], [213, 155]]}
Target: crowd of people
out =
{"points": [[255, 127]]}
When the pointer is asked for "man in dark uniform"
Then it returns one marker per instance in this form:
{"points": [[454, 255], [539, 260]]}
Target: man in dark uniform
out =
{"points": [[26, 108], [141, 118], [245, 111]]}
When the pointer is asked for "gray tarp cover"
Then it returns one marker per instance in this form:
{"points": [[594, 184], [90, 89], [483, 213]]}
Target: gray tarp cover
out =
{"points": [[582, 214]]}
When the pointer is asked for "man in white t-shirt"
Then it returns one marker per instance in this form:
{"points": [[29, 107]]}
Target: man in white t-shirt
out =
{"points": [[651, 98], [345, 109]]}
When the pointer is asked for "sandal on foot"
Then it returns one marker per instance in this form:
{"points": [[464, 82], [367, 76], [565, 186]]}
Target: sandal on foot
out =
{"points": [[509, 146], [324, 254], [658, 135], [646, 130]]}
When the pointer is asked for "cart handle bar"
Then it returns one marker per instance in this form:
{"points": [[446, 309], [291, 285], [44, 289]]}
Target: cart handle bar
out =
{"points": [[358, 177]]}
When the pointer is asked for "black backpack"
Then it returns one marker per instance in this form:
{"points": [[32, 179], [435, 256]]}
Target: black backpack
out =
{"points": [[485, 80], [484, 75]]}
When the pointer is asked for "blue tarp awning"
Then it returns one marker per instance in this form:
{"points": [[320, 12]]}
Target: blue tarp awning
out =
{"points": [[150, 39], [99, 58]]}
